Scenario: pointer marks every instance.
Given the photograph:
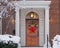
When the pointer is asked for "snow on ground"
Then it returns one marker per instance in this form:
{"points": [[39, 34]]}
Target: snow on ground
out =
{"points": [[56, 41]]}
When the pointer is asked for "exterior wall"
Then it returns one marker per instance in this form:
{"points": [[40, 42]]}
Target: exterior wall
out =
{"points": [[54, 18], [41, 25], [8, 25]]}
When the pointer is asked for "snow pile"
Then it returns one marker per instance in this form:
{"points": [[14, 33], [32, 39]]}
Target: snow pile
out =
{"points": [[56, 41], [45, 45], [6, 38]]}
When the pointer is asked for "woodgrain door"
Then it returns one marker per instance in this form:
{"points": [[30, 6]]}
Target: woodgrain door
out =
{"points": [[32, 32]]}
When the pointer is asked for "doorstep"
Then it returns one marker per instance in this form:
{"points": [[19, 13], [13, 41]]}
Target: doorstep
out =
{"points": [[31, 47]]}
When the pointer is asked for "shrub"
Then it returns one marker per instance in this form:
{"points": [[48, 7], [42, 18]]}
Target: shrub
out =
{"points": [[9, 45]]}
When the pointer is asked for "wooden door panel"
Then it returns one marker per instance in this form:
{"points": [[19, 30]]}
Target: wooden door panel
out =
{"points": [[32, 38]]}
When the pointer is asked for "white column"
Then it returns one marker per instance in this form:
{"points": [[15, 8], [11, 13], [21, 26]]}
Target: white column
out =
{"points": [[0, 24], [17, 21], [46, 23]]}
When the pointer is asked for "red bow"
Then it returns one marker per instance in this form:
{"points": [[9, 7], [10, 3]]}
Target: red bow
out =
{"points": [[32, 29]]}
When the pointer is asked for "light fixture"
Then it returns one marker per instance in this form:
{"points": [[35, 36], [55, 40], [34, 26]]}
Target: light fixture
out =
{"points": [[32, 14]]}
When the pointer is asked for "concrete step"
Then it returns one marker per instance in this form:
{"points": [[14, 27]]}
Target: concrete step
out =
{"points": [[31, 47]]}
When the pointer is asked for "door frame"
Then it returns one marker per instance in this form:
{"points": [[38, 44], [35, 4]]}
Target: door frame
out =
{"points": [[32, 4]]}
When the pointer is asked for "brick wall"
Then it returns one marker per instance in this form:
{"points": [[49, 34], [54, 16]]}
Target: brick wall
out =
{"points": [[54, 18]]}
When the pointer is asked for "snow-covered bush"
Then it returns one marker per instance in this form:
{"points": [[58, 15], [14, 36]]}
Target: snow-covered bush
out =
{"points": [[9, 45], [9, 41], [56, 41]]}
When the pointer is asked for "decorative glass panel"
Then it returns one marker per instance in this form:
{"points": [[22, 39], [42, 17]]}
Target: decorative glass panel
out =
{"points": [[32, 15]]}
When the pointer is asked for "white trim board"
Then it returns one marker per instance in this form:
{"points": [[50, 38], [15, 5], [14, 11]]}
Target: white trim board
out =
{"points": [[32, 4]]}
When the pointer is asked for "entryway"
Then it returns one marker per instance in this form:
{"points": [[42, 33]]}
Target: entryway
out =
{"points": [[32, 29], [40, 7]]}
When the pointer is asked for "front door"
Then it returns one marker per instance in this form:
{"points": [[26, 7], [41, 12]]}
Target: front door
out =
{"points": [[32, 32]]}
